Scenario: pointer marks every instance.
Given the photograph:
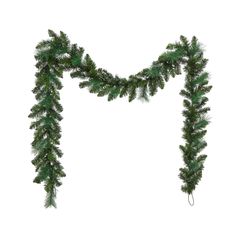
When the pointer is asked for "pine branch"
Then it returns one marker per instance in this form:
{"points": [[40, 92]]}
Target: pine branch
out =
{"points": [[195, 122], [46, 114]]}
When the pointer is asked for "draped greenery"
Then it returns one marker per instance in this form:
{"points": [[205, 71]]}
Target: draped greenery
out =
{"points": [[56, 55]]}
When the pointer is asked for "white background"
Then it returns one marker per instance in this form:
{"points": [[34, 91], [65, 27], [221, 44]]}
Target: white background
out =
{"points": [[121, 159]]}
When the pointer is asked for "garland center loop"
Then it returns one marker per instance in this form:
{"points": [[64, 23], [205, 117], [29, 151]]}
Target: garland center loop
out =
{"points": [[56, 55]]}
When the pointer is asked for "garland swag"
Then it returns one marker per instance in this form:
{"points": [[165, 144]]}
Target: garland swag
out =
{"points": [[56, 55]]}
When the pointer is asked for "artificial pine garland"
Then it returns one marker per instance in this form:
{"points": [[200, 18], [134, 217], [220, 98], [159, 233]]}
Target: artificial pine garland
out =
{"points": [[56, 55]]}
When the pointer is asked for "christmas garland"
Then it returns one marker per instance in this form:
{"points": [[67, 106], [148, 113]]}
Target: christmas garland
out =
{"points": [[56, 55]]}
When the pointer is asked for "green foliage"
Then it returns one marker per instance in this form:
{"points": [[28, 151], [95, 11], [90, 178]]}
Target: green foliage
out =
{"points": [[56, 55], [46, 114], [195, 115]]}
